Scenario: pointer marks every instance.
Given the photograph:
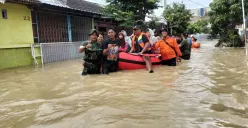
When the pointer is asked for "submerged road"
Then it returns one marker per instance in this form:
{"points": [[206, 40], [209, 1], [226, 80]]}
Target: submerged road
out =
{"points": [[208, 91]]}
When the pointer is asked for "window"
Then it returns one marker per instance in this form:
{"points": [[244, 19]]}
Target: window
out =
{"points": [[35, 27], [4, 14]]}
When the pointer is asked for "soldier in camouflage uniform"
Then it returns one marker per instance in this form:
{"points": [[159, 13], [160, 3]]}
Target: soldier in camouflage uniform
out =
{"points": [[93, 54]]}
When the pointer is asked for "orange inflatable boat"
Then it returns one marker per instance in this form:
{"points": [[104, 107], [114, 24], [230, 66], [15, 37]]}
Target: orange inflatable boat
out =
{"points": [[131, 61], [196, 45]]}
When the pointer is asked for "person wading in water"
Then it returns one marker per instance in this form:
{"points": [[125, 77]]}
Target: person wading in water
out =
{"points": [[141, 45], [169, 49], [93, 54], [110, 53], [185, 47]]}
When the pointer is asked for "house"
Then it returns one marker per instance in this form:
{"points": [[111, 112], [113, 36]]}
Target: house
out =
{"points": [[27, 22]]}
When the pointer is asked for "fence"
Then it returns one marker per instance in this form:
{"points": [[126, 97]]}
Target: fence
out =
{"points": [[55, 52]]}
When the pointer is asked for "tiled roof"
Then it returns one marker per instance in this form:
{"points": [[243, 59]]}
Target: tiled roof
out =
{"points": [[80, 5]]}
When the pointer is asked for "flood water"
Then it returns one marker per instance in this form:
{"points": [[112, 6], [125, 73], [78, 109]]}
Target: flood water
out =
{"points": [[208, 91]]}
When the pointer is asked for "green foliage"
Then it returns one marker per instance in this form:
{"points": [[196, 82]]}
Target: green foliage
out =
{"points": [[141, 23], [224, 16], [152, 24], [177, 16], [201, 26], [128, 11]]}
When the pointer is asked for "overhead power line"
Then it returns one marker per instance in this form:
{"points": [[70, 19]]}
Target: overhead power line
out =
{"points": [[196, 3]]}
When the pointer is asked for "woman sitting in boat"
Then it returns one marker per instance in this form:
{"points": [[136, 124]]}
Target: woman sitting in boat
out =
{"points": [[169, 49], [151, 37], [141, 45], [93, 54], [127, 40], [123, 45]]}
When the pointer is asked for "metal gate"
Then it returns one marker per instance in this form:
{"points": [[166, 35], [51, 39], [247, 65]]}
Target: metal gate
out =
{"points": [[55, 52]]}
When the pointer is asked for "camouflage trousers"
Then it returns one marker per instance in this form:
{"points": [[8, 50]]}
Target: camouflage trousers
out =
{"points": [[91, 68]]}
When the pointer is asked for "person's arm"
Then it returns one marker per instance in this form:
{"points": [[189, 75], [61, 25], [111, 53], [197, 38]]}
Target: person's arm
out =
{"points": [[156, 45], [182, 43], [82, 47], [147, 43], [105, 48], [132, 48]]}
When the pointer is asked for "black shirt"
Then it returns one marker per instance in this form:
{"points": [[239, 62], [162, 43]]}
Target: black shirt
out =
{"points": [[138, 48], [113, 52]]}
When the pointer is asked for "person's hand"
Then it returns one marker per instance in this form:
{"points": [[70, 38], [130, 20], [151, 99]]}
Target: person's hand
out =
{"points": [[110, 45], [81, 47], [178, 59], [140, 53], [88, 46]]}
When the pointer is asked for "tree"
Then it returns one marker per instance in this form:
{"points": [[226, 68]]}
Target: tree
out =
{"points": [[224, 16], [129, 11], [152, 24], [178, 17], [200, 26]]}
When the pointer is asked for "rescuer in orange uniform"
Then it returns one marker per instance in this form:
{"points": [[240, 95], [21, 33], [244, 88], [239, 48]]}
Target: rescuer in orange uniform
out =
{"points": [[169, 49]]}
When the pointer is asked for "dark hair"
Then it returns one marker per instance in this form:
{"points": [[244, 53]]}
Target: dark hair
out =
{"points": [[100, 33], [185, 34], [122, 41], [111, 29], [194, 38]]}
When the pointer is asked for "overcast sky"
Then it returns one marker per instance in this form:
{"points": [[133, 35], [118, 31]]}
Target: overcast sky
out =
{"points": [[190, 4]]}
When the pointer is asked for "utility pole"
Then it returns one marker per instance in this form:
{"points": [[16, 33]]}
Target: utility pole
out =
{"points": [[244, 26], [165, 4]]}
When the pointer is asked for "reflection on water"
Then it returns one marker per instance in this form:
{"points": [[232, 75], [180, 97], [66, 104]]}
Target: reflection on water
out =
{"points": [[209, 91]]}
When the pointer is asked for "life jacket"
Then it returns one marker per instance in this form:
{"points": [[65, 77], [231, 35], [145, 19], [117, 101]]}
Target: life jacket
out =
{"points": [[140, 41]]}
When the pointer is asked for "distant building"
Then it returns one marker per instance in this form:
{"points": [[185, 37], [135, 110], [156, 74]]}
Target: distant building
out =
{"points": [[199, 13]]}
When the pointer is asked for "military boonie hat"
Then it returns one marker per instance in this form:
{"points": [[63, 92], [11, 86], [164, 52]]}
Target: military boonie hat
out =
{"points": [[93, 31]]}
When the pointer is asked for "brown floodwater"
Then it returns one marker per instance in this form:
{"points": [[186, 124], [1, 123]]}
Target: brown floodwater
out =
{"points": [[208, 91]]}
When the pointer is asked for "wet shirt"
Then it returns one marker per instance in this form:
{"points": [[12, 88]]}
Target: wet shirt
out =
{"points": [[144, 39], [113, 52], [185, 47], [94, 53]]}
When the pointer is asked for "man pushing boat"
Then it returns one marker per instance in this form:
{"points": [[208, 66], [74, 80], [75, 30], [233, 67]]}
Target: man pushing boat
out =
{"points": [[141, 45]]}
